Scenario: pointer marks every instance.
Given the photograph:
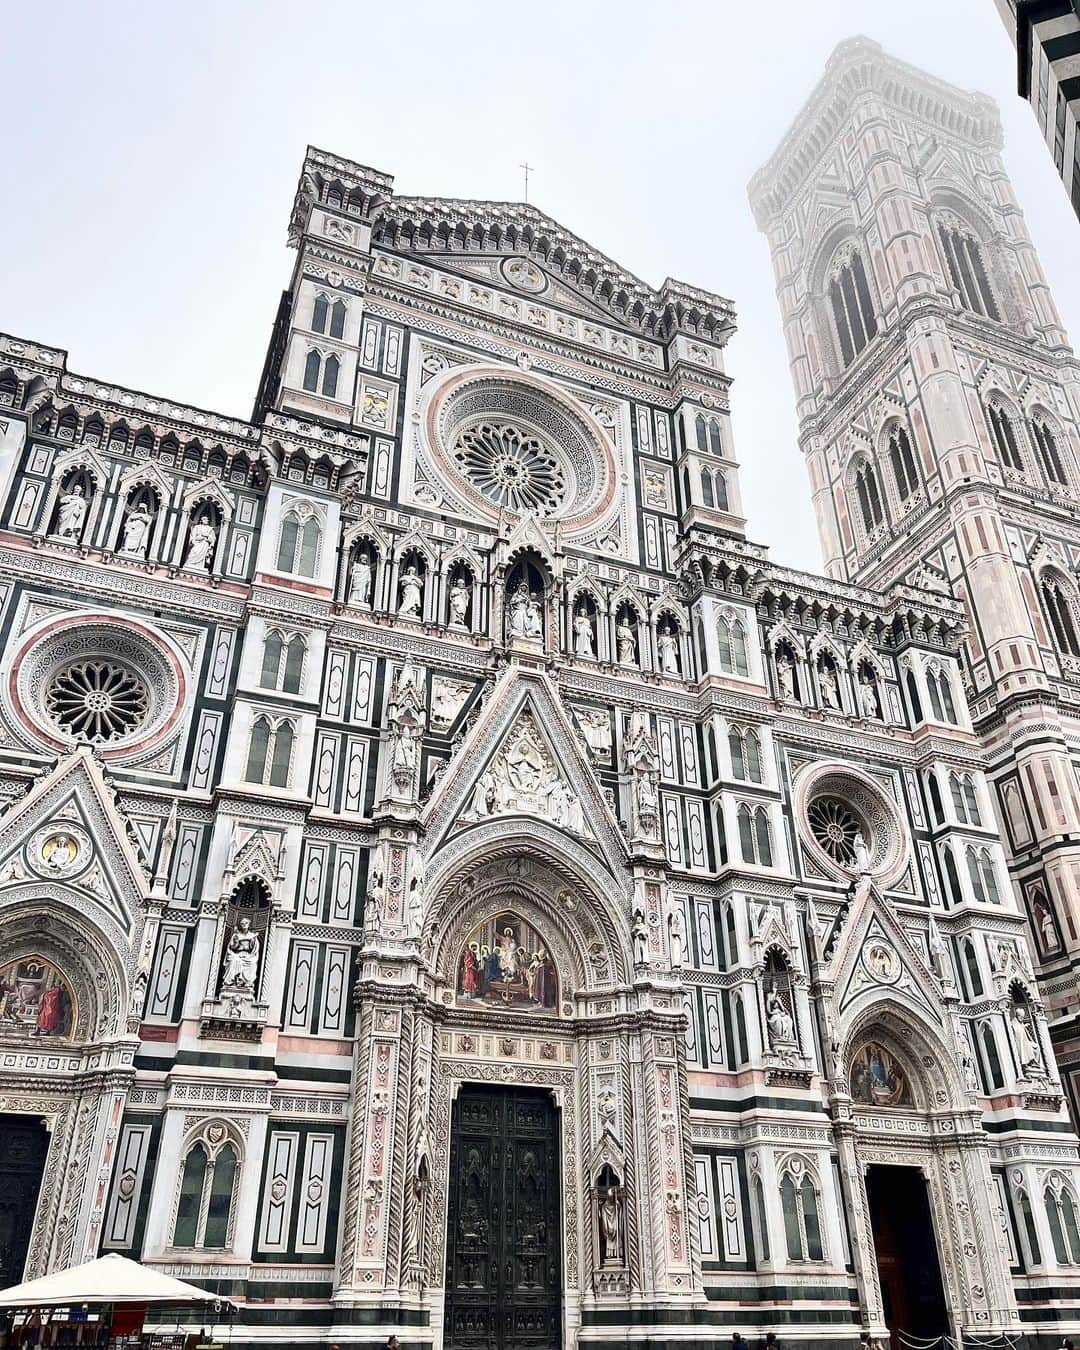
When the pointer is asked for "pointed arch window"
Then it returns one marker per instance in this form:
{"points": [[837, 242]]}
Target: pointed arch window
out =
{"points": [[283, 662], [980, 865], [761, 1223], [731, 641], [913, 697], [707, 431], [1064, 1233], [337, 319], [853, 311], [964, 799], [935, 799], [755, 835], [1058, 604], [802, 1227], [1049, 456], [868, 492], [991, 1061], [1004, 434], [902, 459], [1030, 1231], [298, 543], [742, 1053], [952, 876], [269, 752], [745, 755], [971, 968], [206, 1200], [320, 312], [963, 257], [312, 371], [714, 488], [941, 699]]}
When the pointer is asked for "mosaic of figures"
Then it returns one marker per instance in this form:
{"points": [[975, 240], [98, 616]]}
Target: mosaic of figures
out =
{"points": [[878, 1080], [506, 964], [36, 1000]]}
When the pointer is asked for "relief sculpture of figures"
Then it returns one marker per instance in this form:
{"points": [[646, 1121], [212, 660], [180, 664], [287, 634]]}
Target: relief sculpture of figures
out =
{"points": [[779, 1021]]}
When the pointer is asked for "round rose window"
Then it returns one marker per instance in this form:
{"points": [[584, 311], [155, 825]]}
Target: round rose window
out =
{"points": [[97, 701], [850, 823], [511, 467], [835, 825]]}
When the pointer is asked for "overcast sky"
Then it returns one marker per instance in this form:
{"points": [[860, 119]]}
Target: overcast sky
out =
{"points": [[151, 152]]}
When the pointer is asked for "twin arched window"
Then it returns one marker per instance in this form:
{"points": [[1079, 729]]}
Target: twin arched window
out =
{"points": [[1004, 434], [283, 662], [1046, 445], [853, 311], [902, 459], [1064, 1233], [941, 699], [745, 749], [324, 313], [269, 752], [964, 798], [731, 641], [298, 545], [1058, 603], [755, 835], [207, 1190], [963, 257], [714, 488], [868, 492], [319, 371], [980, 865], [707, 431], [802, 1227]]}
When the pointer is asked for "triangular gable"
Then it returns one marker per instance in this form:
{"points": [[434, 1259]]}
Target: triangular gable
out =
{"points": [[874, 955], [523, 757], [67, 831]]}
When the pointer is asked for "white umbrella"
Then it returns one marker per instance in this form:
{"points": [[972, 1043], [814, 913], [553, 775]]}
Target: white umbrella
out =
{"points": [[109, 1279]]}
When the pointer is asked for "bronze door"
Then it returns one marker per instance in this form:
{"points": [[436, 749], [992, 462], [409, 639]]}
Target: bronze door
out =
{"points": [[503, 1271], [24, 1142]]}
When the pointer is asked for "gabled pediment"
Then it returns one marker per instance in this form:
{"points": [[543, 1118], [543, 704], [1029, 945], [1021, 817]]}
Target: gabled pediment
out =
{"points": [[67, 831], [522, 758]]}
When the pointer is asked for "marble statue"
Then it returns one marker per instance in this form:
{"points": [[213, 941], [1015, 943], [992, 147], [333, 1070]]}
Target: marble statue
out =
{"points": [[459, 603], [676, 937], [241, 964], [360, 577], [861, 850], [777, 1018], [1027, 1049], [667, 648], [868, 699], [785, 676], [412, 594], [639, 935], [201, 543], [583, 635], [830, 685], [625, 643], [137, 530], [72, 514], [610, 1226]]}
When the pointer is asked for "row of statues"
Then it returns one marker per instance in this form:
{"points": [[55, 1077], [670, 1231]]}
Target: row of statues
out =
{"points": [[829, 684], [138, 523]]}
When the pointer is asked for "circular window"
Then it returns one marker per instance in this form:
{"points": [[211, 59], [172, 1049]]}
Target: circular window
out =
{"points": [[97, 679], [850, 824], [511, 467], [835, 825], [511, 442], [97, 701]]}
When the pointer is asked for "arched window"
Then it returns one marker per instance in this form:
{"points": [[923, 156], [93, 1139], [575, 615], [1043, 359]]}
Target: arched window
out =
{"points": [[745, 755], [991, 1060], [732, 938], [269, 752], [963, 257], [853, 312], [902, 459], [802, 1227], [319, 312], [207, 1194], [714, 488], [283, 662], [337, 319], [759, 1215], [1030, 1231], [1057, 602], [763, 836], [331, 370], [1004, 434], [1046, 445], [707, 431], [941, 699], [913, 698], [971, 967], [980, 866], [868, 493], [952, 876], [312, 370], [706, 486], [731, 640], [1061, 1215], [935, 799], [298, 545], [742, 1053], [755, 835], [965, 802]]}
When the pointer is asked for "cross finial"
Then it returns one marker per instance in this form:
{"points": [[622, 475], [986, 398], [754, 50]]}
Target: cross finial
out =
{"points": [[527, 167]]}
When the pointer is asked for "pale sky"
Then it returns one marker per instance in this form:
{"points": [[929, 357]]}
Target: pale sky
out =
{"points": [[151, 152]]}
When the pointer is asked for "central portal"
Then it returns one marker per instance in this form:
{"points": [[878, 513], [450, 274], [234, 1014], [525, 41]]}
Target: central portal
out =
{"points": [[911, 1291], [503, 1268], [24, 1142]]}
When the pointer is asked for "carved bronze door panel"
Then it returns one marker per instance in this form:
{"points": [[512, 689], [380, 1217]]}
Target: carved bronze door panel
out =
{"points": [[503, 1271], [24, 1142]]}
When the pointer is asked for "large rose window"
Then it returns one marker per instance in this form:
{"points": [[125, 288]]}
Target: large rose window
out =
{"points": [[97, 701], [835, 826], [849, 823], [511, 467]]}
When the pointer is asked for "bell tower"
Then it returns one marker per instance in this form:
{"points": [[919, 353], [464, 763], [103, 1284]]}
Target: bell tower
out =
{"points": [[938, 401]]}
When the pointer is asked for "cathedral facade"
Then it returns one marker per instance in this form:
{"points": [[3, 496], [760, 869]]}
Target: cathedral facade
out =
{"points": [[454, 884]]}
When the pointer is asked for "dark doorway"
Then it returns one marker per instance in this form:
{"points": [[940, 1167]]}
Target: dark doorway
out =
{"points": [[23, 1145], [906, 1252], [503, 1269]]}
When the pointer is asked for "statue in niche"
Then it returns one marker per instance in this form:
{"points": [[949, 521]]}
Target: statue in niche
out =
{"points": [[1027, 1049], [785, 676], [596, 728], [667, 648], [459, 603], [625, 642], [610, 1218], [72, 514], [647, 806], [583, 636], [360, 578], [639, 934], [374, 902], [1044, 922], [137, 525], [412, 593], [241, 965], [676, 937], [201, 544], [778, 1019], [868, 699], [830, 685], [483, 799], [523, 612]]}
